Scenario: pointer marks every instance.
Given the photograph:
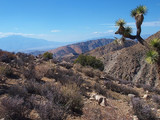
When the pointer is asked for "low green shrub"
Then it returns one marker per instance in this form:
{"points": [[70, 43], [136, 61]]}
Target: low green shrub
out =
{"points": [[86, 60], [6, 71], [47, 56]]}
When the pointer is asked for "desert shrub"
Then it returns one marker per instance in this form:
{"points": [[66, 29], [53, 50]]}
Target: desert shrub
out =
{"points": [[75, 79], [78, 67], [24, 58], [68, 72], [14, 108], [51, 111], [52, 93], [17, 90], [72, 98], [100, 90], [33, 87], [6, 71], [64, 76], [6, 56], [47, 56], [156, 99], [30, 73], [121, 89], [41, 70], [156, 90], [93, 113], [143, 111], [97, 73], [88, 71], [67, 65], [86, 60], [147, 87], [125, 82], [51, 73]]}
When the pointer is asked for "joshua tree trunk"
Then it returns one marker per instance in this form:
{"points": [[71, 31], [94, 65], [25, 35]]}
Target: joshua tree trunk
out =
{"points": [[139, 20]]}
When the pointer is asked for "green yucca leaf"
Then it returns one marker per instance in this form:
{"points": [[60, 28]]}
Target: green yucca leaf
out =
{"points": [[139, 10], [128, 30], [152, 57], [155, 43], [133, 13], [120, 22]]}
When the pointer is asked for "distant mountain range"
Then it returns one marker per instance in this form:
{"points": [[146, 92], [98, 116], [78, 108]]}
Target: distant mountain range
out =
{"points": [[18, 43], [78, 48]]}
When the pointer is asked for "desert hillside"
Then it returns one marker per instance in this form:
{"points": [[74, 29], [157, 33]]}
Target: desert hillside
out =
{"points": [[32, 88], [104, 50], [129, 63]]}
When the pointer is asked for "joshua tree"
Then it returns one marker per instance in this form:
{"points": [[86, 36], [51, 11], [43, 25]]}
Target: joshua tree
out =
{"points": [[153, 54], [138, 13]]}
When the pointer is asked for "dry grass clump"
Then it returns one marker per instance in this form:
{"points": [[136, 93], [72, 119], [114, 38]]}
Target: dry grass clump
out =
{"points": [[41, 70], [51, 111], [142, 110], [88, 71], [73, 98], [67, 65], [120, 89], [78, 67]]}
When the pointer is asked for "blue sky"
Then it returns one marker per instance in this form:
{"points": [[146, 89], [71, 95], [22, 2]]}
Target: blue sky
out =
{"points": [[72, 20]]}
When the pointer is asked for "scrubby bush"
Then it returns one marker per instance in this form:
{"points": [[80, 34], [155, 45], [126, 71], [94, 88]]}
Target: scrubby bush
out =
{"points": [[93, 113], [33, 87], [156, 99], [51, 111], [86, 60], [78, 67], [143, 111], [41, 70], [47, 56], [67, 65], [25, 58], [147, 87], [156, 90], [30, 73], [88, 71], [14, 108], [6, 71], [121, 89], [100, 90], [73, 99], [17, 90], [64, 76], [6, 57]]}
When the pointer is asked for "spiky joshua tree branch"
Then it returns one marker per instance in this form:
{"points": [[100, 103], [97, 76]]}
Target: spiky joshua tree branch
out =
{"points": [[138, 13]]}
